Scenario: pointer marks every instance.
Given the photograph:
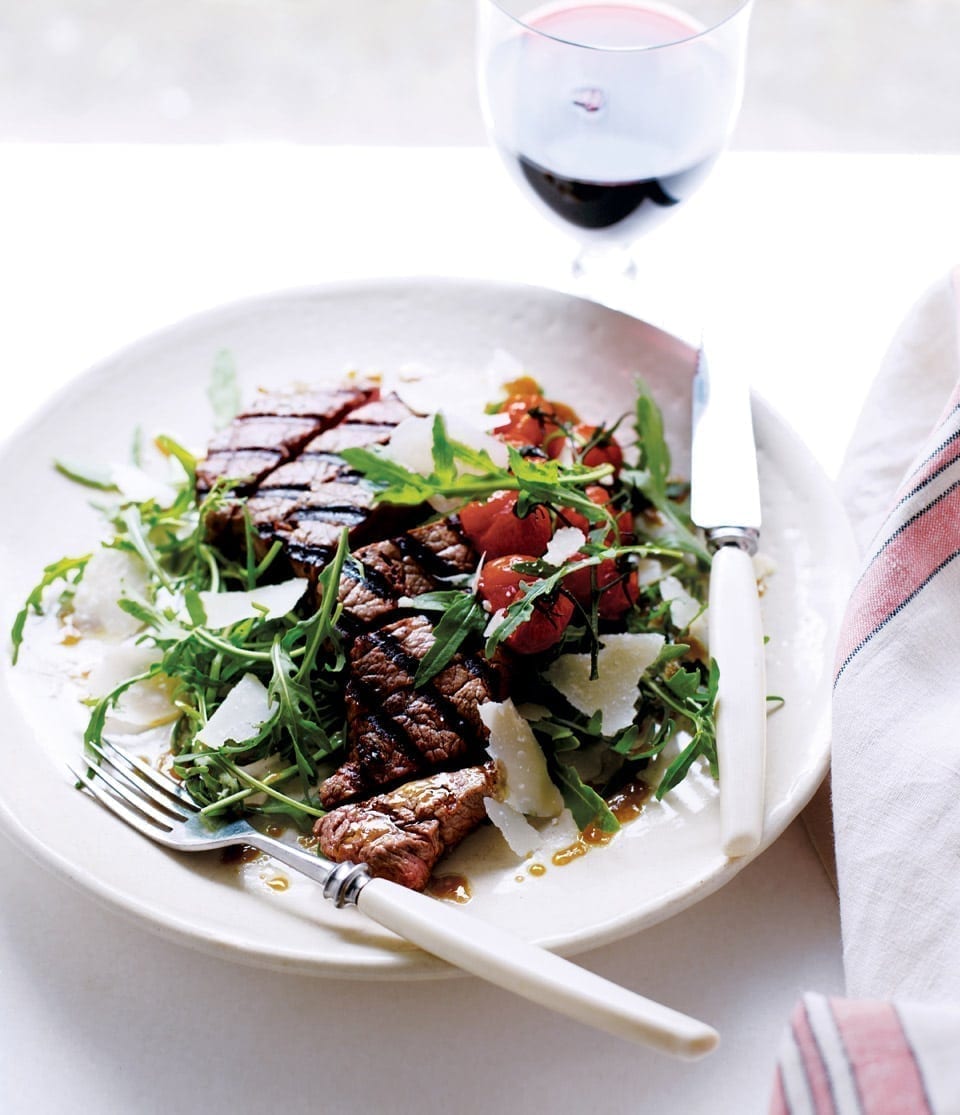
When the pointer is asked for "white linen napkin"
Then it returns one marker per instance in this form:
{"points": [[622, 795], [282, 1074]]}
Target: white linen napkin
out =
{"points": [[893, 1045], [896, 755]]}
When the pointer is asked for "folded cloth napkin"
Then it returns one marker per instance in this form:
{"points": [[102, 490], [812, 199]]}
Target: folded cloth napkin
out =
{"points": [[893, 1046]]}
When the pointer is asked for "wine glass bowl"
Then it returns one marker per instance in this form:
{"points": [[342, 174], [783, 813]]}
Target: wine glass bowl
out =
{"points": [[610, 115]]}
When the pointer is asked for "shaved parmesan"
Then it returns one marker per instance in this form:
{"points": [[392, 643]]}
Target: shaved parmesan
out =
{"points": [[522, 764], [411, 443], [566, 542], [225, 608], [621, 661], [558, 833], [243, 712], [109, 575], [139, 486], [683, 608], [686, 613], [147, 703], [525, 839], [117, 663], [522, 837], [649, 570]]}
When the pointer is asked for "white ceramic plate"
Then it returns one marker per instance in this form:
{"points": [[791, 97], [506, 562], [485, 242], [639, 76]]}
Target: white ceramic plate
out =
{"points": [[584, 353]]}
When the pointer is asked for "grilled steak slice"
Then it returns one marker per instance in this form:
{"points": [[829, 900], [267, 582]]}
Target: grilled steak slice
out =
{"points": [[395, 730], [272, 430], [307, 501], [401, 835], [408, 565], [297, 489]]}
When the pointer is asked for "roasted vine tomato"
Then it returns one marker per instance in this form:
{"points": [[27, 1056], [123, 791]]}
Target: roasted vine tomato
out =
{"points": [[606, 451], [535, 421], [500, 586], [599, 495], [616, 592], [495, 529]]}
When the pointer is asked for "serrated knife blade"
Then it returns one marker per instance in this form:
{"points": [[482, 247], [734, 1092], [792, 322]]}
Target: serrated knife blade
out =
{"points": [[725, 503]]}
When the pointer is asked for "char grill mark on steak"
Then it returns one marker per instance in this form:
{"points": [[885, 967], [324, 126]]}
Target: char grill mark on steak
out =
{"points": [[307, 502], [272, 430], [396, 730], [413, 563], [402, 834], [297, 488]]}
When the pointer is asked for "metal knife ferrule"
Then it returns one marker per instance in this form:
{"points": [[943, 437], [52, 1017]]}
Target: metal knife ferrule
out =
{"points": [[744, 538]]}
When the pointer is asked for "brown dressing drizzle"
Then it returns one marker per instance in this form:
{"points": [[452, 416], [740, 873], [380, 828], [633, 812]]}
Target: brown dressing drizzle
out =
{"points": [[626, 805], [451, 888], [628, 802]]}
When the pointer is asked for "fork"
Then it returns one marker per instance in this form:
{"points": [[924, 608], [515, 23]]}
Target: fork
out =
{"points": [[158, 807]]}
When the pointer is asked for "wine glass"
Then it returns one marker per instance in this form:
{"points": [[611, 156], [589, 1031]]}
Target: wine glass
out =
{"points": [[610, 115]]}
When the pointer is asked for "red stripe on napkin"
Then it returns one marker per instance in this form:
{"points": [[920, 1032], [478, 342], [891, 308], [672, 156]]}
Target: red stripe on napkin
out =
{"points": [[909, 560], [883, 1064], [818, 1079], [940, 459], [778, 1101]]}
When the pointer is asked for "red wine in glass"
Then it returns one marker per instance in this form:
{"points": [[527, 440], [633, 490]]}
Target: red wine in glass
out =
{"points": [[610, 115]]}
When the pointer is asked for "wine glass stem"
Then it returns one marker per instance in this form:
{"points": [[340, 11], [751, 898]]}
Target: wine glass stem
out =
{"points": [[605, 274]]}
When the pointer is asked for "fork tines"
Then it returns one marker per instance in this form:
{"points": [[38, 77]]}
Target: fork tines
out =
{"points": [[144, 797]]}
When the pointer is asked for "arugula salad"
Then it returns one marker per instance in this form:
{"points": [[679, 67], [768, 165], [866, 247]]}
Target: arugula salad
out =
{"points": [[590, 585]]}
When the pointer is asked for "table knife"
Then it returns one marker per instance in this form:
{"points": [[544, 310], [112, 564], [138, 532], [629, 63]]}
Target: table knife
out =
{"points": [[725, 503]]}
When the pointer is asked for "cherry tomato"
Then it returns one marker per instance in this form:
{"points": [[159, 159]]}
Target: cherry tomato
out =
{"points": [[500, 586], [535, 421], [606, 451], [495, 529], [599, 495], [617, 592]]}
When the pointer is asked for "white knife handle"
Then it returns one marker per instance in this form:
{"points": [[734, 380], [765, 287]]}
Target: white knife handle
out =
{"points": [[529, 971], [736, 642]]}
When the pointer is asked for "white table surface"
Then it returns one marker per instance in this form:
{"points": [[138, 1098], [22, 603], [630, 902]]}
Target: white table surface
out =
{"points": [[817, 256]]}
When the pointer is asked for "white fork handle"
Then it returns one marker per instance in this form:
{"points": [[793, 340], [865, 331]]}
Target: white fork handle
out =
{"points": [[525, 969], [736, 642]]}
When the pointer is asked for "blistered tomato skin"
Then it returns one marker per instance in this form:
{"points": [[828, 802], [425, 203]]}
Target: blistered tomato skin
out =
{"points": [[499, 585], [494, 528], [599, 495], [617, 592], [607, 450], [535, 421]]}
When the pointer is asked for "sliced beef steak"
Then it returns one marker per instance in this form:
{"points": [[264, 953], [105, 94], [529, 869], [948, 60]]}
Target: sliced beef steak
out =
{"points": [[414, 562], [272, 430], [284, 451], [395, 730], [307, 501], [402, 834]]}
